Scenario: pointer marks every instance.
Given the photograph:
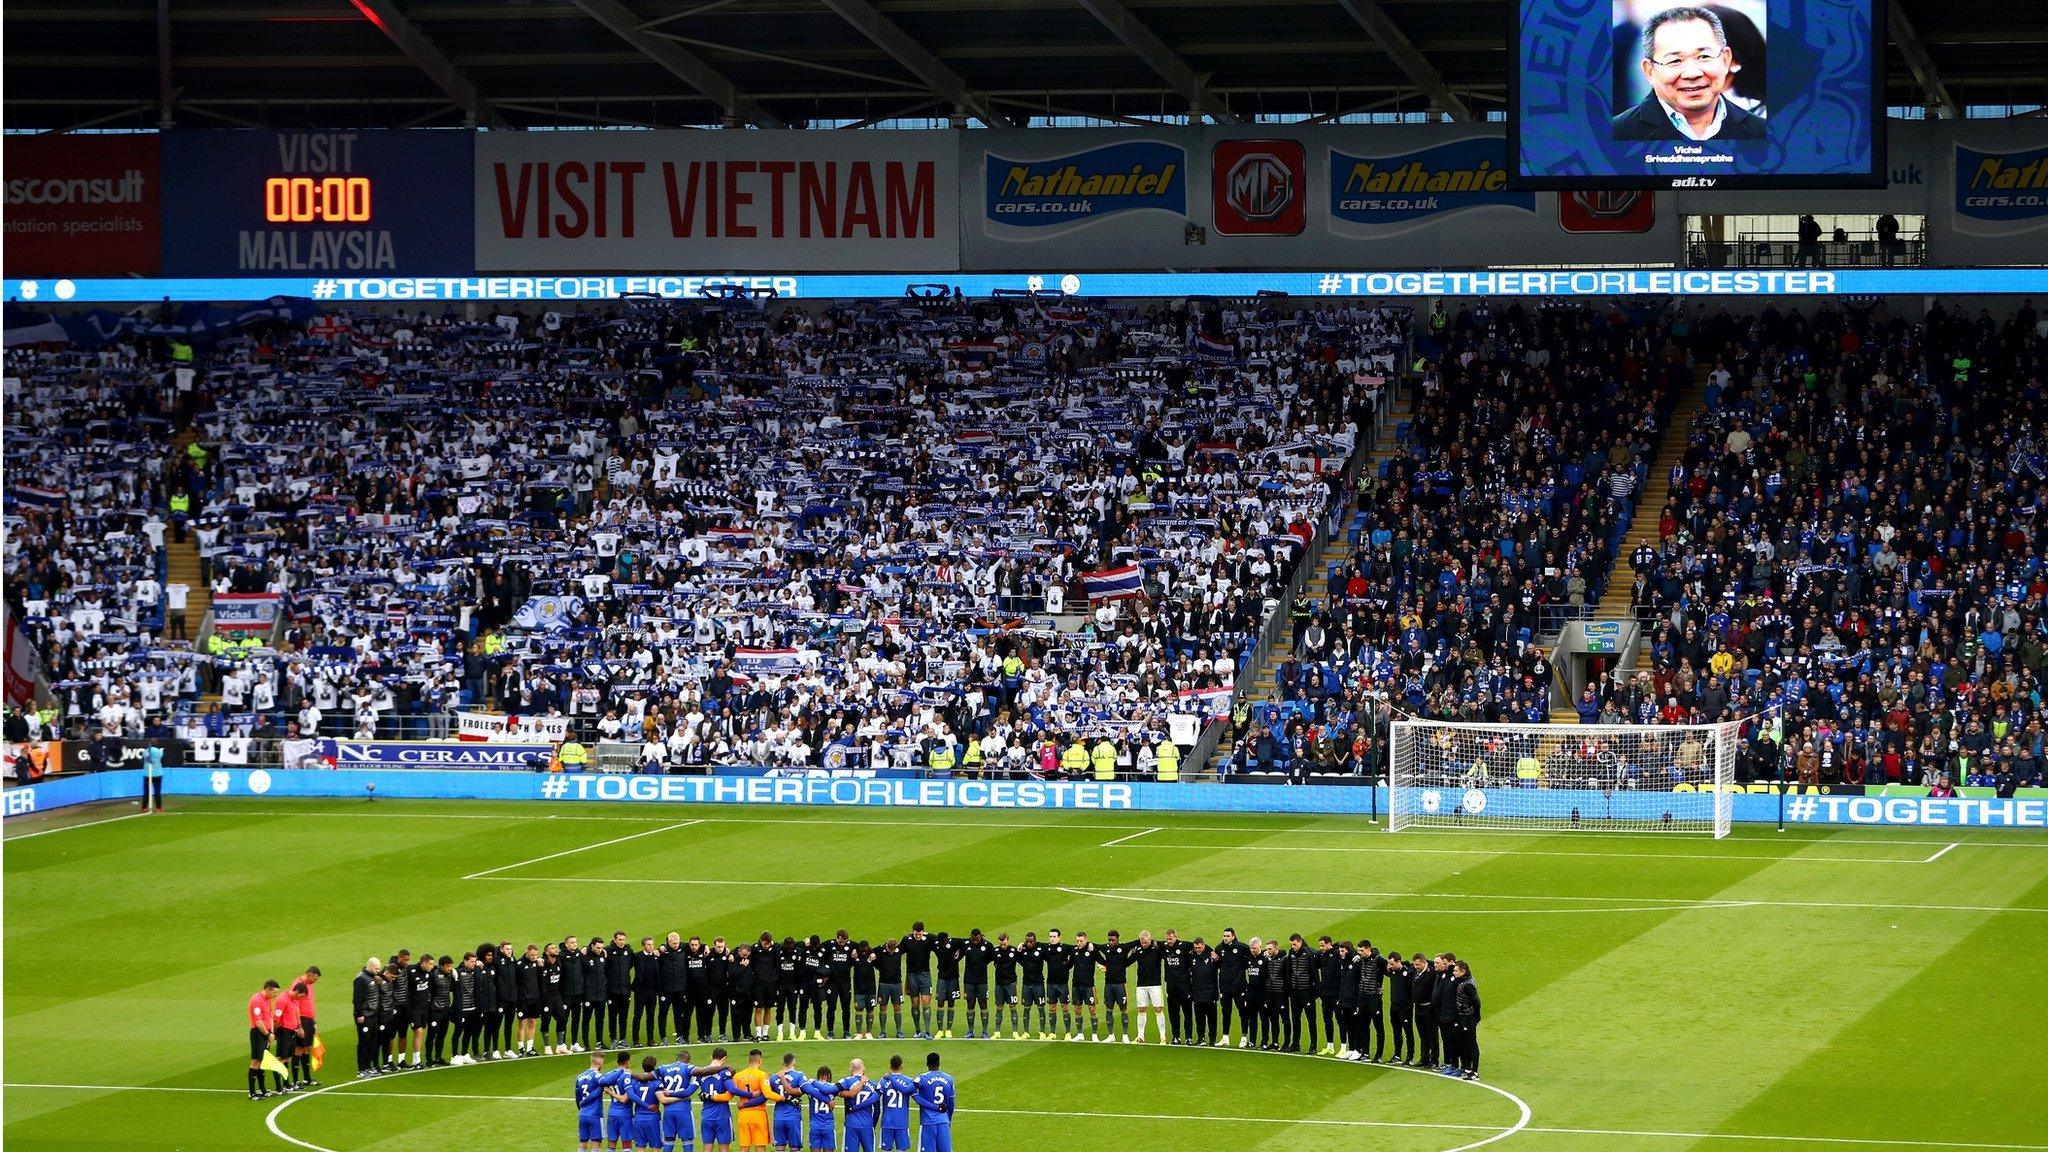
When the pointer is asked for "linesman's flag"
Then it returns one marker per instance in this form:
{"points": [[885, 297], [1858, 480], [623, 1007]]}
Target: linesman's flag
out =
{"points": [[272, 1064]]}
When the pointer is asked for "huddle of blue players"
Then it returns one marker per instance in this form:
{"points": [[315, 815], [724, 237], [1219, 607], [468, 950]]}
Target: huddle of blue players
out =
{"points": [[749, 1108]]}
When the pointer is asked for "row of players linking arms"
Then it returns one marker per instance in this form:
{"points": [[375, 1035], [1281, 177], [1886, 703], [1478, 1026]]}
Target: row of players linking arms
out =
{"points": [[498, 1003]]}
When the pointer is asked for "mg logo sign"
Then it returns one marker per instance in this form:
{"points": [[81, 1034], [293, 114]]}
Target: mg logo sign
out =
{"points": [[1606, 211], [1261, 187], [1257, 187]]}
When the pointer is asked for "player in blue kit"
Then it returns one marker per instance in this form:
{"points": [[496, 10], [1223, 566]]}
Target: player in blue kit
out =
{"points": [[822, 1090], [786, 1088], [935, 1095], [678, 1081], [715, 1089], [645, 1092], [618, 1120], [896, 1090], [590, 1105], [863, 1100]]}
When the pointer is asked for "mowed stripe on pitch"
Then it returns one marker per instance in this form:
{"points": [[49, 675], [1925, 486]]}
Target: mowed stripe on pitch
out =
{"points": [[1697, 1009]]}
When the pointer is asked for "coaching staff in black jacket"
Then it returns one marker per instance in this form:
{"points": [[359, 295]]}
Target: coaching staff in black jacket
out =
{"points": [[363, 1004], [618, 985], [1231, 958], [1465, 994], [672, 1014], [1422, 992], [1400, 1009], [1447, 1007]]}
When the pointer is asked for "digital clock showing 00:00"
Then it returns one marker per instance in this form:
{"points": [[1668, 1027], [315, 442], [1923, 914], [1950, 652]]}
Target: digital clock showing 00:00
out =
{"points": [[323, 200]]}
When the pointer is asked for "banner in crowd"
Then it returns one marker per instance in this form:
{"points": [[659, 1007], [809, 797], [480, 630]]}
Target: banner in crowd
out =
{"points": [[548, 613], [371, 202], [81, 206], [245, 611], [21, 667], [738, 200], [750, 662], [1115, 583], [440, 754], [513, 729]]}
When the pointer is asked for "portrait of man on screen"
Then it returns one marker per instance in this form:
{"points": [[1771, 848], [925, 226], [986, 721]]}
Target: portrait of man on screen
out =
{"points": [[1685, 57]]}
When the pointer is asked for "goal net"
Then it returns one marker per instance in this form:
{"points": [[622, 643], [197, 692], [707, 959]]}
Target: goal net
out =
{"points": [[1566, 777]]}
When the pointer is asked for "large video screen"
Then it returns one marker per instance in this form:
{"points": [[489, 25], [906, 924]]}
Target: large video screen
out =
{"points": [[1720, 94]]}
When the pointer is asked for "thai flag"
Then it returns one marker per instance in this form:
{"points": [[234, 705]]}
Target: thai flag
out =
{"points": [[1209, 702], [33, 496], [751, 662], [1207, 349], [974, 353], [1115, 583], [979, 438]]}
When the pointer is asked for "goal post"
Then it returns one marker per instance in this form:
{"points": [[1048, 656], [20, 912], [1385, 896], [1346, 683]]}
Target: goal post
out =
{"points": [[1562, 777]]}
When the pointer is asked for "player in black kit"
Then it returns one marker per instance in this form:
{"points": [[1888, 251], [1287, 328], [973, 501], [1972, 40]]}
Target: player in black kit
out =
{"points": [[975, 958], [864, 994], [1116, 997], [1252, 997], [1006, 987], [839, 986], [1087, 956], [1059, 969], [946, 997]]}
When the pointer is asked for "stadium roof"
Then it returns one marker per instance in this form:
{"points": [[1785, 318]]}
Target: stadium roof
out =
{"points": [[526, 63]]}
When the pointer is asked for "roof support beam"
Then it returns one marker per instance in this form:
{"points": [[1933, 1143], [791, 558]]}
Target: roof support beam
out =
{"points": [[1921, 63], [905, 50], [165, 96], [386, 17], [1402, 51], [683, 65], [1161, 59]]}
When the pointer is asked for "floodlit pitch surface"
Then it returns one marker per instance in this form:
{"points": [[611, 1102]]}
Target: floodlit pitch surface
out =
{"points": [[1850, 989]]}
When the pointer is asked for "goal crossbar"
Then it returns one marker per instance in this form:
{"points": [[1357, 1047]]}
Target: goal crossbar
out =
{"points": [[1563, 777]]}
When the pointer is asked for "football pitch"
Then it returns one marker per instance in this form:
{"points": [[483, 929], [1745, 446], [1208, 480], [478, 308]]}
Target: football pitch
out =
{"points": [[1813, 989]]}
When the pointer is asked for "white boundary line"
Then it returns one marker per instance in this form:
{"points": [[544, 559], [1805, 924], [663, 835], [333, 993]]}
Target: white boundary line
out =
{"points": [[1379, 910], [582, 848], [1938, 855], [1667, 903], [1814, 834], [74, 827], [1132, 836], [1500, 1132], [1390, 849]]}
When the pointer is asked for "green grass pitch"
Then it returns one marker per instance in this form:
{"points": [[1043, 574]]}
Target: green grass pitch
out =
{"points": [[1813, 989]]}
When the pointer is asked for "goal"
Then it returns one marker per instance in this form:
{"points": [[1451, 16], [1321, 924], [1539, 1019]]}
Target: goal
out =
{"points": [[1577, 777]]}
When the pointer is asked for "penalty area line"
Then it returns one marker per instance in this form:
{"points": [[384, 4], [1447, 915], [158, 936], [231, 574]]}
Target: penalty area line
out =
{"points": [[1135, 835], [1940, 853], [582, 848]]}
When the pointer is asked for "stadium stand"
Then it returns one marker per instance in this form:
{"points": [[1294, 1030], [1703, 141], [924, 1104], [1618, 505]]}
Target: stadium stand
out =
{"points": [[866, 534], [738, 534]]}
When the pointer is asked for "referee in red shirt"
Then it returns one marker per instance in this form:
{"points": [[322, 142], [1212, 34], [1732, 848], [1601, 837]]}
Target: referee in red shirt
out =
{"points": [[301, 993], [286, 1032], [261, 1022]]}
